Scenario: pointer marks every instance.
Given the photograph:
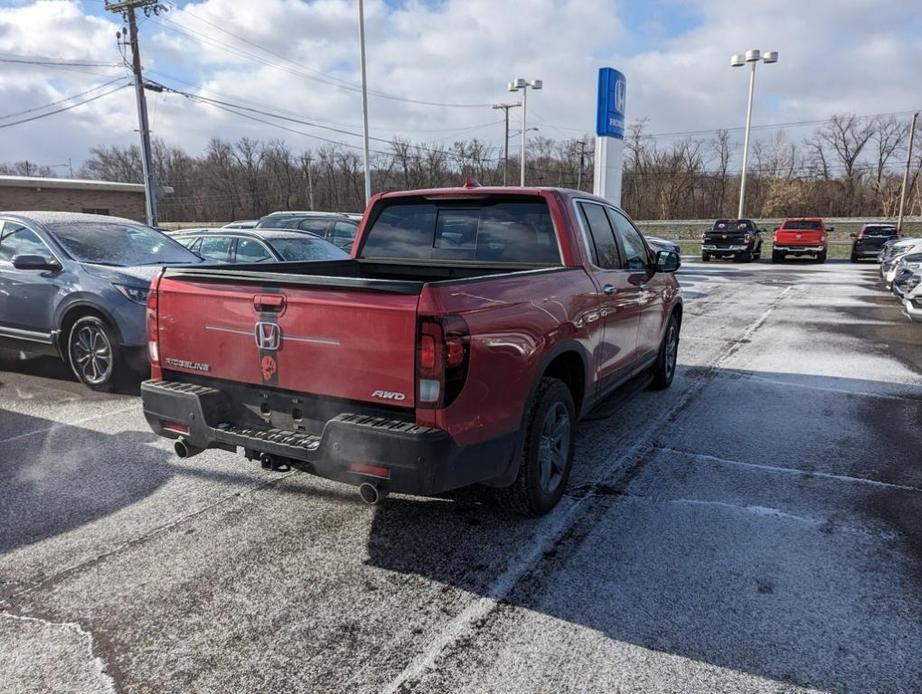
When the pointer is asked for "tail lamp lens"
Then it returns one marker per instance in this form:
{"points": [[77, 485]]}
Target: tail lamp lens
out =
{"points": [[443, 351]]}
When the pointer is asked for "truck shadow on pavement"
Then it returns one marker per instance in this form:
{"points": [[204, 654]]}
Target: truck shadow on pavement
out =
{"points": [[767, 567], [54, 477]]}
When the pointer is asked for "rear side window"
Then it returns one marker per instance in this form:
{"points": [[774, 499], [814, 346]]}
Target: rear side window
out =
{"points": [[215, 248], [343, 233], [252, 251], [492, 230]]}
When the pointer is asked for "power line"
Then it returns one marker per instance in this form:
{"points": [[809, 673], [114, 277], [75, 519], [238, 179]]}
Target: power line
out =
{"points": [[56, 62], [298, 69], [65, 108], [60, 101]]}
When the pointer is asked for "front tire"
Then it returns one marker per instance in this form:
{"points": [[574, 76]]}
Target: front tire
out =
{"points": [[705, 257], [821, 257], [94, 354], [664, 368], [547, 453], [745, 257], [777, 257]]}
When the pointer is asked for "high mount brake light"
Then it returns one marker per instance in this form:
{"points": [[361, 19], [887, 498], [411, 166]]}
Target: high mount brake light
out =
{"points": [[442, 355]]}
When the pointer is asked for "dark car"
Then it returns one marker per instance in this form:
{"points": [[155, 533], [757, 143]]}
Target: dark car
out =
{"points": [[258, 245], [336, 228], [739, 239], [869, 242], [661, 244], [75, 285]]}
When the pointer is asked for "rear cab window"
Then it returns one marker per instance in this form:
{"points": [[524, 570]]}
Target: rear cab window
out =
{"points": [[499, 228], [802, 225]]}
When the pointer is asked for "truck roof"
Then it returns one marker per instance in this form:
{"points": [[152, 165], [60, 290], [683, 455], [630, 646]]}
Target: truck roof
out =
{"points": [[474, 190]]}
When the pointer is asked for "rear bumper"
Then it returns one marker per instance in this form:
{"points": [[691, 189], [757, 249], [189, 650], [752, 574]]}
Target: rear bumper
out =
{"points": [[718, 250], [866, 252], [406, 458], [798, 250]]}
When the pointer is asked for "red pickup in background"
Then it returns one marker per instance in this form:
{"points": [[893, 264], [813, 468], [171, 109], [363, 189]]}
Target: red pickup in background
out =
{"points": [[460, 344], [800, 236]]}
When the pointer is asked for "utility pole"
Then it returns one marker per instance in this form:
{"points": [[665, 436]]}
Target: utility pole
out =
{"points": [[582, 157], [912, 137], [310, 184], [505, 108], [364, 101], [126, 9]]}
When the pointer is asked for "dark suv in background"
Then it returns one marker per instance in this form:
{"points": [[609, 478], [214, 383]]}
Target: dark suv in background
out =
{"points": [[75, 286], [338, 229], [739, 239], [869, 242]]}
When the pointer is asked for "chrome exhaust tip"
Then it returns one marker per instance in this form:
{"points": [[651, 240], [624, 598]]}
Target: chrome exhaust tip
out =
{"points": [[372, 494], [184, 449]]}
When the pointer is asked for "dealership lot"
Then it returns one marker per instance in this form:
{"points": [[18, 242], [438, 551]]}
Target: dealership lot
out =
{"points": [[754, 528]]}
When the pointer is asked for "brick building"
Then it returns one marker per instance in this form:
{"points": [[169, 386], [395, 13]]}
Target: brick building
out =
{"points": [[73, 195]]}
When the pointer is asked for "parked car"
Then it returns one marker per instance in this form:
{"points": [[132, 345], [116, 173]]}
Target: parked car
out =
{"points": [[739, 239], [890, 263], [801, 236], [258, 246], [912, 297], [660, 244], [869, 242], [336, 228], [242, 224], [75, 285], [905, 268], [469, 331]]}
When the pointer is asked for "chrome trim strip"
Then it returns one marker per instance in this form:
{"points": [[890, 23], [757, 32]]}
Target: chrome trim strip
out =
{"points": [[27, 335], [294, 338]]}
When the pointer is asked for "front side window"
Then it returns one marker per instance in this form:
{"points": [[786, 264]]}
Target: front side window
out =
{"points": [[636, 256], [502, 229], [252, 251], [604, 249], [19, 240]]}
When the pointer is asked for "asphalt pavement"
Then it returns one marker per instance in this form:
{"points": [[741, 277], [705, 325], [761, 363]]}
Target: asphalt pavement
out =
{"points": [[754, 528]]}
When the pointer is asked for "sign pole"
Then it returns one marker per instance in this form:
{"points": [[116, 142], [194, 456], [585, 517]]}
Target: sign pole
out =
{"points": [[609, 130]]}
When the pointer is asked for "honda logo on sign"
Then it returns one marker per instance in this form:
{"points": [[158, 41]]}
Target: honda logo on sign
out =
{"points": [[268, 335]]}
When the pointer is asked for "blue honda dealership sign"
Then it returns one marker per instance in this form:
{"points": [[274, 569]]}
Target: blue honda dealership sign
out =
{"points": [[610, 114]]}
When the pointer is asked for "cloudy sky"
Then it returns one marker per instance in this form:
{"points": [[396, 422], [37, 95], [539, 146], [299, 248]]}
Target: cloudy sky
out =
{"points": [[435, 67]]}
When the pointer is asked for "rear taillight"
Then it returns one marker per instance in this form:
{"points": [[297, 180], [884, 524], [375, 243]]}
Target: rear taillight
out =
{"points": [[153, 328], [442, 355]]}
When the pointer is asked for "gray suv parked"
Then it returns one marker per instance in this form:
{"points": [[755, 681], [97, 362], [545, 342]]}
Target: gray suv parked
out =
{"points": [[75, 285]]}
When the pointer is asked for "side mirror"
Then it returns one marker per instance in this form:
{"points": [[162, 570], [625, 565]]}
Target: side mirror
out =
{"points": [[35, 262], [667, 261], [828, 229]]}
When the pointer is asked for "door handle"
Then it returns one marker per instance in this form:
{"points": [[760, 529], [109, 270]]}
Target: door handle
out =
{"points": [[608, 289]]}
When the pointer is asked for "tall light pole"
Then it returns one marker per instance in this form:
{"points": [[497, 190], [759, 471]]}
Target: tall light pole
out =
{"points": [[514, 86], [505, 108], [752, 56], [364, 101], [912, 139]]}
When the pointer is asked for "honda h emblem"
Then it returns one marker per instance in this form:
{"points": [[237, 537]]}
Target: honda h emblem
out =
{"points": [[268, 335]]}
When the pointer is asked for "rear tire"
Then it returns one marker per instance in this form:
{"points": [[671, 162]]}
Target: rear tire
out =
{"points": [[94, 354], [745, 257], [547, 452], [705, 257], [821, 257], [664, 368], [758, 254]]}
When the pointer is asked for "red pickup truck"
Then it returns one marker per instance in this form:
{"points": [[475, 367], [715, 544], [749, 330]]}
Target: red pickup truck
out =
{"points": [[800, 236], [459, 344]]}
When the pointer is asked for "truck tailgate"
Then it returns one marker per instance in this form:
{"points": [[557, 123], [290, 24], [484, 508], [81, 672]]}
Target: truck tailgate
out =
{"points": [[800, 237], [331, 341]]}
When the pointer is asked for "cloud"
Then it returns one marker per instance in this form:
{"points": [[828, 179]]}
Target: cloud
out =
{"points": [[836, 56]]}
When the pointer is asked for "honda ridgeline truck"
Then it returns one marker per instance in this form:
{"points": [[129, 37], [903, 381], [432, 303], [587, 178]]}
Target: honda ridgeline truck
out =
{"points": [[459, 345]]}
